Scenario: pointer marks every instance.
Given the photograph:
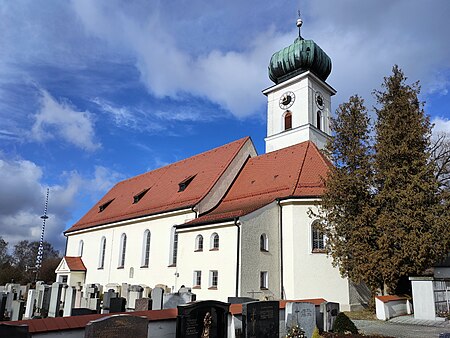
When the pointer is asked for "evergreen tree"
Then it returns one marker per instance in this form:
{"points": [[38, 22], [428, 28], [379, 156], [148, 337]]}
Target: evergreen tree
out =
{"points": [[410, 222], [346, 207]]}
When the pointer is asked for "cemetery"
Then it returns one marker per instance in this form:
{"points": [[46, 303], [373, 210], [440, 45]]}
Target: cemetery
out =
{"points": [[140, 311]]}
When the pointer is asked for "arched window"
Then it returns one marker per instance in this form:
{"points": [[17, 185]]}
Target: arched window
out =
{"points": [[80, 248], [131, 274], [319, 120], [101, 259], [214, 245], [123, 250], [318, 239], [263, 243], [146, 249], [287, 120], [173, 246], [199, 243]]}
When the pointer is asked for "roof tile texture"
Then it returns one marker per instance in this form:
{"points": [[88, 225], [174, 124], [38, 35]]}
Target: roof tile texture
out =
{"points": [[75, 263], [163, 194], [296, 171]]}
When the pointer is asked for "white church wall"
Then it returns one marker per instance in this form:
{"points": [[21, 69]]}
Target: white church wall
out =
{"points": [[254, 260], [158, 270], [308, 274], [223, 260]]}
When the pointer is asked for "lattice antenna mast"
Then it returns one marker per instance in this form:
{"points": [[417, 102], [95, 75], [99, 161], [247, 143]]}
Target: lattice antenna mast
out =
{"points": [[41, 242]]}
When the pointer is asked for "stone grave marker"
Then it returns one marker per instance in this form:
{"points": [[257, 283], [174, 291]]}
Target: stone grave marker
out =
{"points": [[117, 326], [301, 314], [134, 293], [330, 311], [14, 331], [81, 311], [69, 300], [107, 296], [172, 300], [31, 304], [117, 305], [157, 298], [10, 297], [2, 305], [203, 319], [240, 300], [78, 296], [143, 304], [43, 299], [124, 290], [261, 319], [18, 309], [55, 299]]}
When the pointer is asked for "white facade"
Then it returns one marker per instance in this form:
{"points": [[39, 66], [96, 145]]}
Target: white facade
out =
{"points": [[310, 120]]}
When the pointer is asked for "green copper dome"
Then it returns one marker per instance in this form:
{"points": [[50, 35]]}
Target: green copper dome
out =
{"points": [[301, 56]]}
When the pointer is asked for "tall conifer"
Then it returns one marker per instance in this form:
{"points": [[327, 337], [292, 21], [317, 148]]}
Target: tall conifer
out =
{"points": [[412, 229]]}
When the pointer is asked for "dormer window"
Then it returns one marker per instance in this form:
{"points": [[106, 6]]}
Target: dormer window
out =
{"points": [[183, 184], [105, 205], [138, 197]]}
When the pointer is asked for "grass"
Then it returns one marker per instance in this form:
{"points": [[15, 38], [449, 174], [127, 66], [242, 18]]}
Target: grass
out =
{"points": [[361, 315]]}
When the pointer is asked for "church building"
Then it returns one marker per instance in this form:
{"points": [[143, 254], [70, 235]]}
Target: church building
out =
{"points": [[227, 222]]}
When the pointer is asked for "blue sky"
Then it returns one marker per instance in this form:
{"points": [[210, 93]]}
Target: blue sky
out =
{"points": [[93, 92]]}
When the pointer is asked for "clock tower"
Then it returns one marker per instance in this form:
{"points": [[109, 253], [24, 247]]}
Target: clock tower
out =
{"points": [[299, 104]]}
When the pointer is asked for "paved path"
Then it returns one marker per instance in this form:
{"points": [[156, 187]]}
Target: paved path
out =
{"points": [[403, 328]]}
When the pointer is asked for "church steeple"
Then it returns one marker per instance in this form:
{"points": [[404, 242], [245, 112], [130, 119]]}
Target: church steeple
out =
{"points": [[300, 101]]}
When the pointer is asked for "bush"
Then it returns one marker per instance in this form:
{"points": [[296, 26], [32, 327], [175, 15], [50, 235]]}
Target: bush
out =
{"points": [[316, 333], [343, 324]]}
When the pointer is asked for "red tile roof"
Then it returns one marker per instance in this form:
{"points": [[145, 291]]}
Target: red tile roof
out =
{"points": [[163, 194], [75, 263], [296, 171], [390, 298]]}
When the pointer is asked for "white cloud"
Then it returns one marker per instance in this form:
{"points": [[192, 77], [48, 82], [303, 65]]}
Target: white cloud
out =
{"points": [[441, 126], [22, 198], [60, 119]]}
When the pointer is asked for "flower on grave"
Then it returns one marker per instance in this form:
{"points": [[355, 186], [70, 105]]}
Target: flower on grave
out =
{"points": [[295, 332]]}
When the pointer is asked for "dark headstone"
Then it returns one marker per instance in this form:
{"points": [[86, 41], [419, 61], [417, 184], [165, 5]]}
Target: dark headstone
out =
{"points": [[241, 300], [301, 314], [330, 311], [143, 304], [203, 319], [2, 305], [14, 331], [117, 305], [81, 311], [444, 335], [117, 326], [261, 319]]}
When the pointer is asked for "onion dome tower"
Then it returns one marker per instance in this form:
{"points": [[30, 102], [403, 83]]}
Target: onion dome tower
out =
{"points": [[299, 103]]}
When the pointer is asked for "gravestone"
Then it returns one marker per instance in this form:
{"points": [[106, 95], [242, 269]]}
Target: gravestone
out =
{"points": [[117, 305], [55, 299], [31, 303], [69, 300], [261, 319], [134, 293], [143, 304], [203, 319], [14, 331], [172, 300], [301, 314], [10, 297], [18, 309], [78, 296], [124, 290], [157, 298], [240, 300], [81, 311], [2, 305], [42, 299], [330, 311], [117, 326], [107, 296]]}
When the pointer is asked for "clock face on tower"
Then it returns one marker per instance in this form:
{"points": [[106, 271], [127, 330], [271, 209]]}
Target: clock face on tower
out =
{"points": [[287, 100], [319, 100]]}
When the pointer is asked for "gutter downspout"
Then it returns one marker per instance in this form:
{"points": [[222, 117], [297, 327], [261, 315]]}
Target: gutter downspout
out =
{"points": [[237, 223], [281, 248]]}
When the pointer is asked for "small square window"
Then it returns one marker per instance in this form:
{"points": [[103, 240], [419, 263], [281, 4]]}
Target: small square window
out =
{"points": [[213, 279], [197, 279]]}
